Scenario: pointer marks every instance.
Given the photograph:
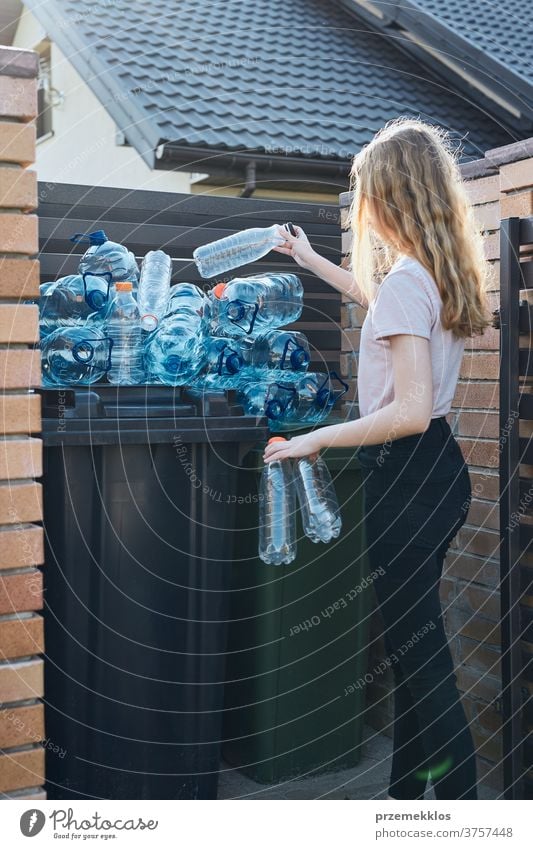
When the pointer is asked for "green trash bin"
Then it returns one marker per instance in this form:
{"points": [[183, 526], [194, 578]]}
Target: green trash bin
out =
{"points": [[297, 654]]}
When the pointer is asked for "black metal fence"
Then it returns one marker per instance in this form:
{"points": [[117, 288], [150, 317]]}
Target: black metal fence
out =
{"points": [[177, 223], [516, 507]]}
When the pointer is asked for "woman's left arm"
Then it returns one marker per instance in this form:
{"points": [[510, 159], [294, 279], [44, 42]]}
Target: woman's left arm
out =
{"points": [[409, 413]]}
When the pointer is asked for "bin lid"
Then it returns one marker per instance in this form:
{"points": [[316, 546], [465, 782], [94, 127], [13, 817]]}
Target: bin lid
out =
{"points": [[106, 414]]}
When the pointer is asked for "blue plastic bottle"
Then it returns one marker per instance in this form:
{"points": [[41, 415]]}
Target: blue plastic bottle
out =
{"points": [[236, 250], [74, 356], [175, 351], [283, 350], [187, 296], [293, 400], [223, 364], [318, 393], [269, 398], [123, 327], [62, 304], [248, 306], [102, 264]]}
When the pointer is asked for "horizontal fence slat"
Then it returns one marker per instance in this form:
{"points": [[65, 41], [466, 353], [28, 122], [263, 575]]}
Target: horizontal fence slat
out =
{"points": [[526, 493], [525, 362], [526, 450], [526, 537], [208, 207], [105, 219], [55, 233], [526, 231], [527, 274], [526, 406], [525, 319]]}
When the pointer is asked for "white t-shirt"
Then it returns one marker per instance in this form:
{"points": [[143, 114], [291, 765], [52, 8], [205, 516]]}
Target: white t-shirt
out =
{"points": [[407, 301]]}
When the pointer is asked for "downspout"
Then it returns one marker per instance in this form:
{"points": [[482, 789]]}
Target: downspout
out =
{"points": [[250, 184]]}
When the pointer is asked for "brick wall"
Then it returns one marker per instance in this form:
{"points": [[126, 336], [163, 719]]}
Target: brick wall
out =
{"points": [[21, 535], [500, 186]]}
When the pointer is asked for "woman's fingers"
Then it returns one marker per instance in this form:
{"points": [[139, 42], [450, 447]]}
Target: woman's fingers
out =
{"points": [[283, 250], [272, 452], [287, 235]]}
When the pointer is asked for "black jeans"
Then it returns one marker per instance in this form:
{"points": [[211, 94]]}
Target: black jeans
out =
{"points": [[417, 495]]}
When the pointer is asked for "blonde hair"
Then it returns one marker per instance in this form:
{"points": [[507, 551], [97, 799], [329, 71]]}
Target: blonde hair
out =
{"points": [[408, 180]]}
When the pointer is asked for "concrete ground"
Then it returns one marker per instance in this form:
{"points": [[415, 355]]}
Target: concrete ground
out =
{"points": [[368, 780]]}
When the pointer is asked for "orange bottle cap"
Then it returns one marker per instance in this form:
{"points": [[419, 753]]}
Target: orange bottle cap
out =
{"points": [[218, 290], [276, 439], [124, 286]]}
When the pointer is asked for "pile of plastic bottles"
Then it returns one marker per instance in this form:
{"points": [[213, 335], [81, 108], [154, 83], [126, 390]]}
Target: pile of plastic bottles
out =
{"points": [[113, 322], [283, 483]]}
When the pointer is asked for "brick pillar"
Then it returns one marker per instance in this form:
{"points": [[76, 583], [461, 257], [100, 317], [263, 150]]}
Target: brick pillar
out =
{"points": [[469, 588], [21, 537]]}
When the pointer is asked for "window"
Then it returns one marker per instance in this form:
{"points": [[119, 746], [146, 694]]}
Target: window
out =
{"points": [[44, 93]]}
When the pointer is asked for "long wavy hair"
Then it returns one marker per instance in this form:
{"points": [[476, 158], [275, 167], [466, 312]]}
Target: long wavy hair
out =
{"points": [[409, 198]]}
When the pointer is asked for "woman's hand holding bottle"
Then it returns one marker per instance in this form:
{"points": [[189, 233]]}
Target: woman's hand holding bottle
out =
{"points": [[298, 247]]}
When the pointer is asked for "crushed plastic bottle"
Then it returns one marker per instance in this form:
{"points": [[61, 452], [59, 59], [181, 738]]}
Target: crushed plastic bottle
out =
{"points": [[154, 288], [319, 507], [123, 327], [103, 263], [248, 306], [277, 509], [62, 304], [281, 350], [268, 397], [175, 352], [236, 250], [224, 362], [74, 356], [317, 394], [187, 296], [292, 400]]}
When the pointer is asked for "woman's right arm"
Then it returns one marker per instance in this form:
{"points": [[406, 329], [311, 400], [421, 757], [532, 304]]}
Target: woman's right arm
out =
{"points": [[305, 255]]}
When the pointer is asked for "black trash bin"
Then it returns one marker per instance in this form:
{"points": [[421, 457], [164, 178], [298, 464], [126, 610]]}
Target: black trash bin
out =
{"points": [[140, 486]]}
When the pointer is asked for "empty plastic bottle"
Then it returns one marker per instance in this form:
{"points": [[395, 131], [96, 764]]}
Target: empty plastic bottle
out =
{"points": [[102, 264], [270, 398], [154, 288], [123, 327], [277, 507], [292, 400], [282, 350], [187, 296], [223, 364], [175, 352], [319, 507], [317, 394], [73, 356], [248, 306], [236, 250], [62, 304]]}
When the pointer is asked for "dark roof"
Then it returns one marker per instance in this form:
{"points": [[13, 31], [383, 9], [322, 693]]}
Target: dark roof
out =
{"points": [[503, 31], [489, 40], [299, 80]]}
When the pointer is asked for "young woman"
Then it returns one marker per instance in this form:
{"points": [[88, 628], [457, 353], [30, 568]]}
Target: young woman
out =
{"points": [[413, 230]]}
